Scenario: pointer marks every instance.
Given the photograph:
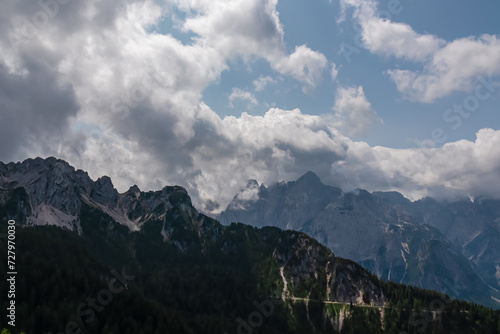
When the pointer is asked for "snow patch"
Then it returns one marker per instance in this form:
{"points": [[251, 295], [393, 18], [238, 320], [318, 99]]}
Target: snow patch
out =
{"points": [[405, 247]]}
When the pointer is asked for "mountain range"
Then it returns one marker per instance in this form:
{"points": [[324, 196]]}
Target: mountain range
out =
{"points": [[91, 259], [448, 246]]}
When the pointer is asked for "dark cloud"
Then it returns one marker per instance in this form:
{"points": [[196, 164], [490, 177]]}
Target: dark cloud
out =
{"points": [[34, 108], [318, 159], [60, 17], [154, 131], [209, 143]]}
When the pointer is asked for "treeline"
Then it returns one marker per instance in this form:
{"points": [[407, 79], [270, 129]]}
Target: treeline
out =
{"points": [[172, 291], [416, 310]]}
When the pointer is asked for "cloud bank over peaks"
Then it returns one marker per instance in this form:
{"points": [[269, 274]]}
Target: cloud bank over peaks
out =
{"points": [[455, 170], [447, 66]]}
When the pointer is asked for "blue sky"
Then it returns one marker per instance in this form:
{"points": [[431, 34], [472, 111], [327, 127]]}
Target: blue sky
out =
{"points": [[381, 95], [405, 122]]}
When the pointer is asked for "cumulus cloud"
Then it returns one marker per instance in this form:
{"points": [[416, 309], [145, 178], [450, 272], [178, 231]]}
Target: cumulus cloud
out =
{"points": [[249, 29], [353, 113], [447, 66], [383, 37], [450, 171], [238, 27], [305, 65], [455, 67]]}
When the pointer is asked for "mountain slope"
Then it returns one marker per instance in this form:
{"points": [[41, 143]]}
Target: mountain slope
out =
{"points": [[171, 248], [473, 227]]}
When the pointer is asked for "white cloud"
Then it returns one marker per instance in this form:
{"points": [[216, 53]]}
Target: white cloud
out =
{"points": [[383, 37], [282, 144], [334, 71], [305, 65], [388, 38], [353, 113], [290, 127], [455, 67], [250, 28], [249, 194], [239, 94], [451, 170], [262, 82], [238, 27], [447, 66]]}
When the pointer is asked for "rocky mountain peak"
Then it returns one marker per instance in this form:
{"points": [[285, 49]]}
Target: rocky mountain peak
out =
{"points": [[252, 184], [48, 191], [392, 197], [310, 178], [51, 192], [30, 170], [104, 192], [133, 190]]}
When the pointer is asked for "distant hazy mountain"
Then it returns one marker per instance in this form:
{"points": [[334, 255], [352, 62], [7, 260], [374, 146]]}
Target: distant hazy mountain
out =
{"points": [[449, 247]]}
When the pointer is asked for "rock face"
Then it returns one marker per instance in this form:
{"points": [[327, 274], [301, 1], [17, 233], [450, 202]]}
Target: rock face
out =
{"points": [[45, 192], [474, 226], [309, 271], [51, 192], [450, 247]]}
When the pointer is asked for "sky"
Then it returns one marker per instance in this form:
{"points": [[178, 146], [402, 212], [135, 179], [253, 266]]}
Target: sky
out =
{"points": [[390, 95]]}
